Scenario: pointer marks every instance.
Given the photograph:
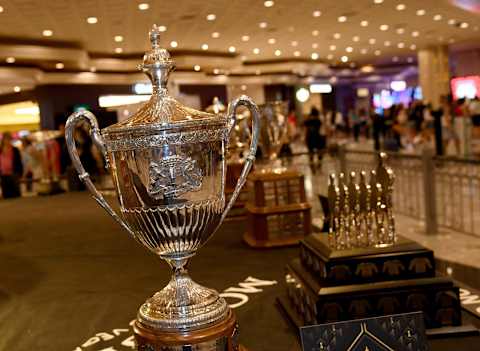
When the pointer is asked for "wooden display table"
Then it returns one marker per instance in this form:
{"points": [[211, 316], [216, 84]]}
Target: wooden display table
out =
{"points": [[277, 210]]}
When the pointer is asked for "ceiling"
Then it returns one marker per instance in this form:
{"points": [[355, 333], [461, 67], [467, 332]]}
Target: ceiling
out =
{"points": [[299, 36]]}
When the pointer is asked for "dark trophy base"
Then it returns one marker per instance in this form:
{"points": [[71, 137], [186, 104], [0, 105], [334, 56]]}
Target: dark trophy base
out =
{"points": [[326, 285], [218, 337]]}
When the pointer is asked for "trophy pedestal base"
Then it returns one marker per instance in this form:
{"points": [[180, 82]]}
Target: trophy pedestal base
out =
{"points": [[218, 337]]}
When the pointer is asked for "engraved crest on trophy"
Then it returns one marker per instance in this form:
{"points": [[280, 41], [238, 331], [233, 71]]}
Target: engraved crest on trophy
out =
{"points": [[173, 176]]}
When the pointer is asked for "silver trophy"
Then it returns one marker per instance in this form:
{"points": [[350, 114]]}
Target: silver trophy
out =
{"points": [[168, 165], [273, 128]]}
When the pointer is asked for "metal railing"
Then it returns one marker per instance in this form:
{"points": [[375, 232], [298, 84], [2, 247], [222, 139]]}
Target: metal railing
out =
{"points": [[441, 191]]}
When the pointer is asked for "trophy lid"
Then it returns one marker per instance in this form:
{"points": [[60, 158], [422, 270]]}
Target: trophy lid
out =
{"points": [[161, 112]]}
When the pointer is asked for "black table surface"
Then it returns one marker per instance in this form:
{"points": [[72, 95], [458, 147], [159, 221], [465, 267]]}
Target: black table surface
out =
{"points": [[71, 279]]}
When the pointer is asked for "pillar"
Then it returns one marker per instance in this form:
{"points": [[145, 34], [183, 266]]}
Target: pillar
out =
{"points": [[434, 74]]}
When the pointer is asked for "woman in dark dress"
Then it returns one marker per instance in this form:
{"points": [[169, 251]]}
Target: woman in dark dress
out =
{"points": [[11, 168]]}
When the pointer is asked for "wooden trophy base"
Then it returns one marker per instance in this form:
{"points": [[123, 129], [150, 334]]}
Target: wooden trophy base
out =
{"points": [[218, 337]]}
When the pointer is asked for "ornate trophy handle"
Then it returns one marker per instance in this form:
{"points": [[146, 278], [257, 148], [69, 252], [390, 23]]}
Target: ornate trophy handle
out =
{"points": [[97, 138], [250, 158]]}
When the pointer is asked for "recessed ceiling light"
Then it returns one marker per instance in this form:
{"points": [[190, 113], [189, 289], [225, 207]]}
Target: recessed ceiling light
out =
{"points": [[272, 41], [387, 43], [342, 19], [344, 58], [278, 52], [59, 65], [315, 33], [245, 38], [232, 49], [377, 2], [173, 44], [401, 7], [384, 27], [415, 33], [215, 35], [333, 47], [363, 51], [17, 89], [337, 35], [211, 17], [162, 28], [364, 23], [437, 17], [294, 43], [452, 22], [118, 38], [118, 50], [296, 53], [256, 51], [268, 3], [395, 58], [317, 13], [315, 46], [356, 38], [10, 59], [143, 6], [409, 59], [400, 30], [377, 52], [314, 56], [401, 45], [367, 69], [349, 49], [216, 71], [372, 41], [1, 9], [330, 56], [464, 25], [243, 87], [413, 47], [263, 24], [93, 69], [204, 46], [47, 33], [421, 12], [197, 68], [92, 20]]}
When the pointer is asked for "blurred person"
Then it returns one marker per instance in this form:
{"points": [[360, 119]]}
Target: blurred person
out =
{"points": [[64, 158], [312, 134], [355, 123], [474, 112], [364, 121], [11, 168], [377, 128], [438, 115], [32, 162]]}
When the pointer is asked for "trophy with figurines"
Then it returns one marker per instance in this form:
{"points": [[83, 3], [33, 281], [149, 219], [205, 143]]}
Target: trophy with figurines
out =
{"points": [[361, 209], [168, 165], [362, 268]]}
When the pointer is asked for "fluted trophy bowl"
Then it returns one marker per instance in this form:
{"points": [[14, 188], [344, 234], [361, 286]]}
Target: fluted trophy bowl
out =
{"points": [[168, 166]]}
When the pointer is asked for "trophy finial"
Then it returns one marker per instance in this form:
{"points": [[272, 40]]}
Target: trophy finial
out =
{"points": [[157, 63], [155, 36]]}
